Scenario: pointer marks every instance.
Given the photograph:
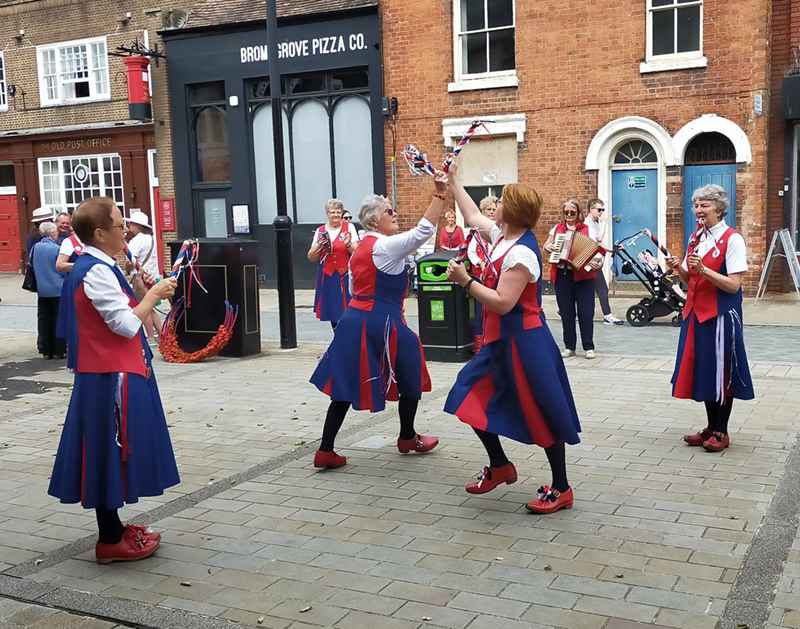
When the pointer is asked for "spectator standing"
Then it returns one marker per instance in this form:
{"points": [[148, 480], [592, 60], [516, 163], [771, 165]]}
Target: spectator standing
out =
{"points": [[48, 286], [142, 248], [64, 226], [40, 215], [597, 222], [452, 236]]}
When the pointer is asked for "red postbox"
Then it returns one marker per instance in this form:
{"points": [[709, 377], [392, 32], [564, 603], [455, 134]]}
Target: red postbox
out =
{"points": [[138, 88]]}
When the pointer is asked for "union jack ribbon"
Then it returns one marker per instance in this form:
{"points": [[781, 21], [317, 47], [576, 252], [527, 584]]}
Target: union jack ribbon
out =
{"points": [[477, 124], [418, 162], [464, 250], [187, 259]]}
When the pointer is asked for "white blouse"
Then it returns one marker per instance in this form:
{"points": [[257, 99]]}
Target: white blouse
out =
{"points": [[103, 289], [518, 255], [736, 254]]}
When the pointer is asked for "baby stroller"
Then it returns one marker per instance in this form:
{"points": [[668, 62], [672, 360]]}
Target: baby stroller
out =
{"points": [[666, 295]]}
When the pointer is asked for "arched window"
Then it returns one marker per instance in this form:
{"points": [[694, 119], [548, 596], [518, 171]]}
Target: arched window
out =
{"points": [[263, 147], [710, 148], [352, 149], [636, 152], [213, 152], [311, 141]]}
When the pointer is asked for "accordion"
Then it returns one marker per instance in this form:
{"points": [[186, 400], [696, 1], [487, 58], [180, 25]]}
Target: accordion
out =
{"points": [[575, 249]]}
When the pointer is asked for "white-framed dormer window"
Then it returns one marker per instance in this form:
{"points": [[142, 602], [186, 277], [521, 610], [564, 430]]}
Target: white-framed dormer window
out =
{"points": [[3, 84], [73, 72], [674, 35], [485, 44]]}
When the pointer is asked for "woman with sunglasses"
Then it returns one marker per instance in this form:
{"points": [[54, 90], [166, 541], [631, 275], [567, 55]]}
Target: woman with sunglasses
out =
{"points": [[115, 447], [332, 246], [374, 355], [574, 287], [597, 222], [517, 386]]}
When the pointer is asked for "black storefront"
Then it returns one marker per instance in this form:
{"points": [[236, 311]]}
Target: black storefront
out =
{"points": [[222, 127]]}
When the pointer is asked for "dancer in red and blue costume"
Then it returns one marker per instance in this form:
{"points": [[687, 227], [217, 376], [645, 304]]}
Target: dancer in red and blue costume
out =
{"points": [[374, 355], [332, 246], [477, 252], [712, 364], [71, 249], [115, 447], [517, 386]]}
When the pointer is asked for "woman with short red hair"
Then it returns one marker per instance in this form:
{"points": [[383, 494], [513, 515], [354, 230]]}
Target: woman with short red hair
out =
{"points": [[517, 386]]}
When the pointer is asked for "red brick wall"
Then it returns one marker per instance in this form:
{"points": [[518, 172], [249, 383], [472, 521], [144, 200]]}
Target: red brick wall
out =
{"points": [[578, 66]]}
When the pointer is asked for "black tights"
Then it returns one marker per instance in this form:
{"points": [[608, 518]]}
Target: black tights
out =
{"points": [[109, 525], [406, 408], [556, 456], [718, 415]]}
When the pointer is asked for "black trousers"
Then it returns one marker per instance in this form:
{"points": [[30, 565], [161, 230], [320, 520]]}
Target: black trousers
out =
{"points": [[602, 293], [575, 297], [47, 314]]}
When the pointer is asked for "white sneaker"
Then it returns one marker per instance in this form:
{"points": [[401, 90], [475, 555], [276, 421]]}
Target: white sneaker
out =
{"points": [[612, 320], [568, 352], [590, 354]]}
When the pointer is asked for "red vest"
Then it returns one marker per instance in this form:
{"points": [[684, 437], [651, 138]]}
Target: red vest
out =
{"points": [[338, 257], [580, 274], [704, 298], [99, 349]]}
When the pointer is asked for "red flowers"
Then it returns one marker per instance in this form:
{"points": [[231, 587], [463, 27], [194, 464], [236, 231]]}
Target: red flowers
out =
{"points": [[168, 339]]}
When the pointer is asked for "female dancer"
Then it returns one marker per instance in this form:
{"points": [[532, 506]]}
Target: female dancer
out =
{"points": [[332, 246], [574, 291], [390, 363], [477, 251], [712, 364], [517, 385], [115, 447]]}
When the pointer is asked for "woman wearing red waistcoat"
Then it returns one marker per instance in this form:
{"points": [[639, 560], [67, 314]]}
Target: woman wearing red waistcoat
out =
{"points": [[332, 246], [115, 447], [452, 236], [574, 287], [517, 386], [712, 364], [477, 252]]}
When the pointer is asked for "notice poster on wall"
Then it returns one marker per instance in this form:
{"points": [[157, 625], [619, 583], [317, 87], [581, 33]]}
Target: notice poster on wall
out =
{"points": [[241, 219]]}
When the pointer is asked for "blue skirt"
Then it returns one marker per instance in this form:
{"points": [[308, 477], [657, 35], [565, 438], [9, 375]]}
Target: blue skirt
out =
{"points": [[699, 375], [373, 357], [108, 458], [517, 387], [332, 295]]}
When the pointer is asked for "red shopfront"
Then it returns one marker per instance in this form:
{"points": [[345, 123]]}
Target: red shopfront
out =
{"points": [[61, 170]]}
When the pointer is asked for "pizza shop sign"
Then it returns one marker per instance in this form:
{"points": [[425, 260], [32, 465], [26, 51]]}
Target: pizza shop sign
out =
{"points": [[306, 47]]}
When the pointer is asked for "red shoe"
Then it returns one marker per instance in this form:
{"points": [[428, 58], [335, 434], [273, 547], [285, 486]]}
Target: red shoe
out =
{"points": [[146, 531], [417, 444], [132, 547], [491, 477], [698, 439], [717, 442], [550, 501], [329, 459]]}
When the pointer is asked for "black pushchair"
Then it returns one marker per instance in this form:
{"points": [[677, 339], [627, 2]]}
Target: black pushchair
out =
{"points": [[666, 295]]}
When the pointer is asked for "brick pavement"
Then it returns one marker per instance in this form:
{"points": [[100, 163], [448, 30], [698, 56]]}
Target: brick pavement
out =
{"points": [[657, 537]]}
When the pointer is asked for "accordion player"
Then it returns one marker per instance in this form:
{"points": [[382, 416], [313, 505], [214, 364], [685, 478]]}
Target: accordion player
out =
{"points": [[576, 249]]}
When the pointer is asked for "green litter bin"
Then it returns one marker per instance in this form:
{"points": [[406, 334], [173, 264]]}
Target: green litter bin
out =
{"points": [[446, 314]]}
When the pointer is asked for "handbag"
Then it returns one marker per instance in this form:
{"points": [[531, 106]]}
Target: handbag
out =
{"points": [[29, 282]]}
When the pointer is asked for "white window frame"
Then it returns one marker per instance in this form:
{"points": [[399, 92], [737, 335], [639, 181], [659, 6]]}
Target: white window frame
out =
{"points": [[95, 95], [676, 60], [62, 205], [485, 80], [3, 83]]}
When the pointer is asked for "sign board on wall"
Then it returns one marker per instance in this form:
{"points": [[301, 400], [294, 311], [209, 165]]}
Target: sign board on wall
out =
{"points": [[167, 207]]}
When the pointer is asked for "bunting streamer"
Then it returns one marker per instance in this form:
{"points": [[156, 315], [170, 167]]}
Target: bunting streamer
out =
{"points": [[168, 339], [477, 124]]}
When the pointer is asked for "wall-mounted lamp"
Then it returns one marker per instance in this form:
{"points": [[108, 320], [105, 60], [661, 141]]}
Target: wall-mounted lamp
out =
{"points": [[124, 21], [20, 36], [25, 197]]}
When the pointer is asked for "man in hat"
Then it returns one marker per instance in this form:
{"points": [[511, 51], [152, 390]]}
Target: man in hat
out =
{"points": [[39, 216]]}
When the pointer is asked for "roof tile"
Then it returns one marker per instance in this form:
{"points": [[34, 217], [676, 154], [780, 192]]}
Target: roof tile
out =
{"points": [[216, 12]]}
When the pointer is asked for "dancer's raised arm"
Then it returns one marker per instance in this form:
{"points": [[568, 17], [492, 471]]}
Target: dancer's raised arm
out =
{"points": [[466, 205]]}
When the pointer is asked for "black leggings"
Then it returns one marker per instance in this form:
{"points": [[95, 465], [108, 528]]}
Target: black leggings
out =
{"points": [[406, 408], [556, 456], [109, 525], [574, 295], [718, 415]]}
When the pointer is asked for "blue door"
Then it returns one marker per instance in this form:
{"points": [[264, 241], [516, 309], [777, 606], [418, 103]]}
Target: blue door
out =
{"points": [[634, 203], [695, 177]]}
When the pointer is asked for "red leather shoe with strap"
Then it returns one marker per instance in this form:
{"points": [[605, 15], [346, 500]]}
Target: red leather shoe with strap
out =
{"points": [[329, 459], [145, 530], [699, 438], [417, 444], [550, 501], [717, 442], [491, 477], [132, 547]]}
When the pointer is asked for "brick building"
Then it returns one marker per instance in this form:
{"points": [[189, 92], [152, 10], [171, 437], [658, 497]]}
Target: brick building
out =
{"points": [[65, 132], [635, 101]]}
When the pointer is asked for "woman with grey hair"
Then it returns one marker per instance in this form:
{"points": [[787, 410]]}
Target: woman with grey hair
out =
{"points": [[374, 355], [48, 286], [332, 246], [712, 364]]}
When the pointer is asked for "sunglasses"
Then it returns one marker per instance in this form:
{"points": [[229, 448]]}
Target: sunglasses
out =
{"points": [[570, 213], [391, 211], [347, 218], [600, 209]]}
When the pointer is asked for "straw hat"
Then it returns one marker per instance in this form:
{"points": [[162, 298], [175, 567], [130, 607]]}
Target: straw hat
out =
{"points": [[140, 218], [43, 214]]}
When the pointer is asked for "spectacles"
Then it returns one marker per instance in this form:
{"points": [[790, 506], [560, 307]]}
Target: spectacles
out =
{"points": [[391, 211], [600, 209], [570, 213], [347, 218], [120, 226]]}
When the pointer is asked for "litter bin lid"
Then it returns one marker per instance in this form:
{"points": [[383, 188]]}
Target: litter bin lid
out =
{"points": [[433, 267]]}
